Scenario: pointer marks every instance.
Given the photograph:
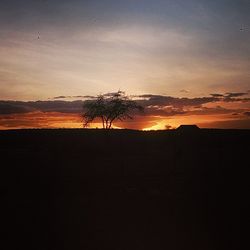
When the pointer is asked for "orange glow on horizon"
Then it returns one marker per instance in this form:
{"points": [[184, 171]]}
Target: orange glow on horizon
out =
{"points": [[67, 120]]}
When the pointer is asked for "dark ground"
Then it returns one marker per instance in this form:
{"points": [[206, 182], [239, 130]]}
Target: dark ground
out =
{"points": [[125, 190]]}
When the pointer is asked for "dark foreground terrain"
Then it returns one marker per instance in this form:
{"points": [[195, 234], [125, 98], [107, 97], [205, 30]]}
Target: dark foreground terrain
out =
{"points": [[125, 190]]}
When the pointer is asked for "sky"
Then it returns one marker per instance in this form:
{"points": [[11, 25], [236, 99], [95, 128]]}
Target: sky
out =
{"points": [[59, 52]]}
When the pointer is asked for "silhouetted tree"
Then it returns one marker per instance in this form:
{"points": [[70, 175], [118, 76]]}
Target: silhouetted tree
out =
{"points": [[167, 127], [108, 108]]}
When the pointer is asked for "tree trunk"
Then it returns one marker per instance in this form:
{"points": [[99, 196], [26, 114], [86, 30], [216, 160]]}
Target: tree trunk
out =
{"points": [[103, 122], [106, 124], [110, 123]]}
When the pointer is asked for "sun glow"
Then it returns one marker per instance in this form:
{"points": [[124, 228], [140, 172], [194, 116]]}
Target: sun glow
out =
{"points": [[40, 119]]}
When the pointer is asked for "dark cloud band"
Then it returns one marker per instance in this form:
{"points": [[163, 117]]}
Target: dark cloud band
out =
{"points": [[153, 104]]}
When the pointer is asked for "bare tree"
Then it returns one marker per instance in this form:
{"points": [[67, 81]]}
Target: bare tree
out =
{"points": [[108, 108]]}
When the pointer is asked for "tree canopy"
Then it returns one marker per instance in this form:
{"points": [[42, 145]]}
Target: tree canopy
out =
{"points": [[108, 108]]}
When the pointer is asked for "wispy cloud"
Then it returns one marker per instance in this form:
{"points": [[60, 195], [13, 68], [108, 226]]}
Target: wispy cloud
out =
{"points": [[73, 97], [148, 46], [230, 95]]}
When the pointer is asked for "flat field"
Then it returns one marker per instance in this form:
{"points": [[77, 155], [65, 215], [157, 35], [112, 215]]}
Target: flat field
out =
{"points": [[124, 189]]}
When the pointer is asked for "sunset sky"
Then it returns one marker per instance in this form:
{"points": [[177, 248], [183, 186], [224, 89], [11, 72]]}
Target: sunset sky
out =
{"points": [[185, 61]]}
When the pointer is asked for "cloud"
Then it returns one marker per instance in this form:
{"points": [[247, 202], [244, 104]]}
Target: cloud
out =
{"points": [[166, 112], [61, 97], [84, 96], [247, 113], [73, 97], [218, 110], [217, 95], [160, 100], [15, 107], [154, 104], [228, 124], [231, 96], [8, 107], [82, 42], [230, 99], [235, 94]]}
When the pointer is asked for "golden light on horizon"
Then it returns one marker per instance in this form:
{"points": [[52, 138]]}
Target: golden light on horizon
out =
{"points": [[67, 120]]}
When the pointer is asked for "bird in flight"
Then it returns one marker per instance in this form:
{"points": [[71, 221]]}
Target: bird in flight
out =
{"points": [[242, 28]]}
